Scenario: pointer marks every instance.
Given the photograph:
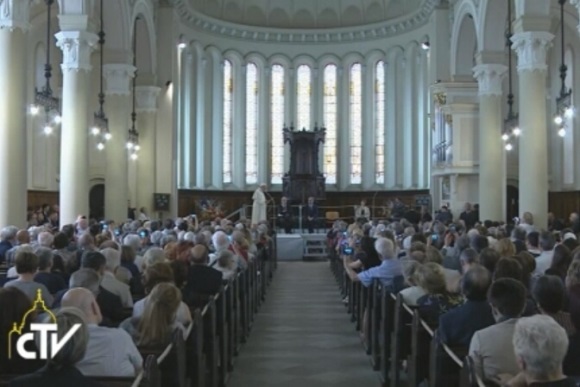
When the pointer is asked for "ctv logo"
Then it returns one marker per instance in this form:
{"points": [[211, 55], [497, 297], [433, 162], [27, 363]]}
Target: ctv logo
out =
{"points": [[46, 332]]}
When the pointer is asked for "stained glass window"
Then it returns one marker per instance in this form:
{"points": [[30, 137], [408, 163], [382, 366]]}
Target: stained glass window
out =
{"points": [[380, 123], [228, 122], [330, 113], [252, 110], [277, 123], [303, 97], [355, 130]]}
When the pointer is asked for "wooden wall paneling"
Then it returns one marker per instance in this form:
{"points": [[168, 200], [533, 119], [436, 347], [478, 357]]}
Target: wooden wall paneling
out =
{"points": [[38, 198]]}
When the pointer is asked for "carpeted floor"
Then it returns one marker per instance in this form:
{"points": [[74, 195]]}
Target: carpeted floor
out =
{"points": [[302, 335]]}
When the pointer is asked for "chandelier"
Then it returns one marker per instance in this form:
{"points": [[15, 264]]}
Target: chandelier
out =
{"points": [[564, 108], [100, 127], [133, 135], [44, 98], [511, 127]]}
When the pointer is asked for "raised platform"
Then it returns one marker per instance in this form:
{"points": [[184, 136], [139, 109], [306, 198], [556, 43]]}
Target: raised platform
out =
{"points": [[296, 247]]}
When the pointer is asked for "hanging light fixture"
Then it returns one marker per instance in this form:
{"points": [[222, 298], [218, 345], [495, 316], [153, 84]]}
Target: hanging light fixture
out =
{"points": [[564, 108], [133, 136], [44, 98], [511, 123], [100, 127]]}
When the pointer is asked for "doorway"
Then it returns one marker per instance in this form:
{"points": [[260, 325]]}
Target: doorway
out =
{"points": [[513, 202], [97, 202]]}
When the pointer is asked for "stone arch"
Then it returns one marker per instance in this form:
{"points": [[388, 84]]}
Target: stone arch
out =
{"points": [[146, 40], [464, 41], [491, 24]]}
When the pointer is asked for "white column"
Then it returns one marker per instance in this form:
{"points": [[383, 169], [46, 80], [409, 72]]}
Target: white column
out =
{"points": [[343, 162], [216, 126], [264, 134], [492, 173], [401, 138], [118, 109], [14, 15], [576, 3], [391, 96], [409, 105], [239, 129], [76, 66], [202, 161], [146, 101], [532, 47]]}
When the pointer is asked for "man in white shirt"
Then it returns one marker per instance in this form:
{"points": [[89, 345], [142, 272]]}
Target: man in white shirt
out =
{"points": [[111, 351], [110, 282], [362, 211]]}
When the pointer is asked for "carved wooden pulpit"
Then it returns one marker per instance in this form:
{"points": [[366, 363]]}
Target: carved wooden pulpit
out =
{"points": [[304, 178]]}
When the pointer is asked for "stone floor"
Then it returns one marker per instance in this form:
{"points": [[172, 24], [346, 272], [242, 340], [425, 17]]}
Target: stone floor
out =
{"points": [[302, 335]]}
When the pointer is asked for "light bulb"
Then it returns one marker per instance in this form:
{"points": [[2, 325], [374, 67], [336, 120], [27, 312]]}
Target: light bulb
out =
{"points": [[137, 147], [569, 112], [181, 45], [133, 156], [517, 131], [558, 120], [505, 137], [562, 132], [47, 130], [57, 119], [100, 146], [425, 46], [129, 145], [34, 110], [108, 136], [508, 147], [95, 131]]}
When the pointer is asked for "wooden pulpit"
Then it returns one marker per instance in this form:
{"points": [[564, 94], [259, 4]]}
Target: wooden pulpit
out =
{"points": [[304, 178]]}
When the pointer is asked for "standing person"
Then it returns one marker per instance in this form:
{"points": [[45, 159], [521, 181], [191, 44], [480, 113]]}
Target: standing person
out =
{"points": [[259, 206], [311, 214], [362, 212]]}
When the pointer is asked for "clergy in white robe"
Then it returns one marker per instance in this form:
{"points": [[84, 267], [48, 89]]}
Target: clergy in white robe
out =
{"points": [[259, 206]]}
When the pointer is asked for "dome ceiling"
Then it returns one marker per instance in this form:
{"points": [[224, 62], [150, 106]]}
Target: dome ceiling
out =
{"points": [[306, 14]]}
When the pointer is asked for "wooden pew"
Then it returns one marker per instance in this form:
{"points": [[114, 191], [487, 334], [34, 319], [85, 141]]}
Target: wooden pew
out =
{"points": [[445, 364], [386, 329], [195, 357], [171, 360], [400, 339]]}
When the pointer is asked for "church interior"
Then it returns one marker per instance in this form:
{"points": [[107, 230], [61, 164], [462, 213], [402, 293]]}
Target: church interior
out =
{"points": [[172, 169]]}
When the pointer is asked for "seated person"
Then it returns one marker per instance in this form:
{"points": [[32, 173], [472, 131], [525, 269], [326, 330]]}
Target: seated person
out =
{"points": [[26, 266], [549, 294], [14, 304], [285, 215], [491, 348], [53, 281], [155, 274], [156, 326], [202, 280], [62, 370], [540, 345], [413, 292], [226, 263], [110, 351], [110, 304], [110, 282], [310, 214], [438, 299], [362, 212], [456, 327], [386, 272]]}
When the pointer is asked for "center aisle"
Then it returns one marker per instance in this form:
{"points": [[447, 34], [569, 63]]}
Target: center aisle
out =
{"points": [[302, 336]]}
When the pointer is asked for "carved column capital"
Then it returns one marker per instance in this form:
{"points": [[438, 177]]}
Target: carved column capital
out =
{"points": [[118, 77], [76, 47], [15, 14], [146, 98], [532, 48], [489, 78]]}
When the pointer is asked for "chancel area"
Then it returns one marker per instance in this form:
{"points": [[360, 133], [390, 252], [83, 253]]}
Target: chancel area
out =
{"points": [[211, 193]]}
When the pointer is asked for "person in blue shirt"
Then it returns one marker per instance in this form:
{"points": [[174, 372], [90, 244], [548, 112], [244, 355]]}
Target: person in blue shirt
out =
{"points": [[386, 272]]}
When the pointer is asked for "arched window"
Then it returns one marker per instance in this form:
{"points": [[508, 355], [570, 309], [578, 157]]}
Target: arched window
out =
{"points": [[355, 130], [568, 154], [277, 123], [380, 123], [228, 121], [330, 114], [252, 110], [303, 97]]}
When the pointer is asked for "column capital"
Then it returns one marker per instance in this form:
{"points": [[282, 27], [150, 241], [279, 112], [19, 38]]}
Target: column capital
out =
{"points": [[489, 78], [15, 14], [146, 98], [118, 77], [532, 48], [76, 47]]}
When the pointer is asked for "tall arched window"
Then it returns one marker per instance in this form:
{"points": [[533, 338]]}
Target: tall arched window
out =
{"points": [[228, 121], [303, 97], [568, 154], [380, 123], [252, 110], [277, 123], [330, 114], [355, 130]]}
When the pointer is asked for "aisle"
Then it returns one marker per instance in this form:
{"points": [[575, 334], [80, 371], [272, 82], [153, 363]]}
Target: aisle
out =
{"points": [[302, 336]]}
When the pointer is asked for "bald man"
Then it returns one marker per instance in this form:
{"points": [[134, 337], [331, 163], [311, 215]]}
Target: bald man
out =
{"points": [[202, 280], [111, 351]]}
